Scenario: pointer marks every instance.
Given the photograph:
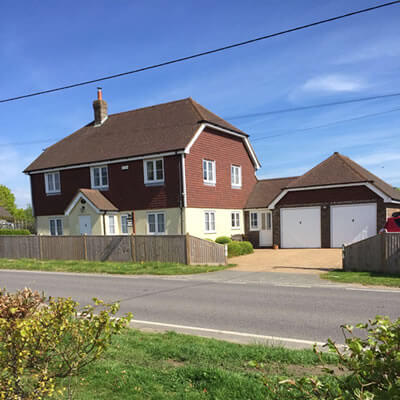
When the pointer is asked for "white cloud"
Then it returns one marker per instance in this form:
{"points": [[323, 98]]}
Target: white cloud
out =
{"points": [[333, 83]]}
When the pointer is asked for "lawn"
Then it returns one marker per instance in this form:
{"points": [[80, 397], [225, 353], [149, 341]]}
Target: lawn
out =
{"points": [[174, 366], [124, 268], [364, 278]]}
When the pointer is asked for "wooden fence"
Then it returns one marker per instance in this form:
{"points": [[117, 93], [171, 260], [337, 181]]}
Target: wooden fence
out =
{"points": [[166, 248], [380, 253]]}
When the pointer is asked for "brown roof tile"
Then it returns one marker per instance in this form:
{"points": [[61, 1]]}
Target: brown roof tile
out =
{"points": [[98, 200], [156, 129], [339, 169], [266, 190]]}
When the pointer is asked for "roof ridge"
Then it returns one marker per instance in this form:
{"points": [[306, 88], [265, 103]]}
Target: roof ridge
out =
{"points": [[194, 105]]}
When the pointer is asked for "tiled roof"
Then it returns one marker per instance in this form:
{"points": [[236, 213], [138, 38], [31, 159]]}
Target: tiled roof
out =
{"points": [[98, 200]]}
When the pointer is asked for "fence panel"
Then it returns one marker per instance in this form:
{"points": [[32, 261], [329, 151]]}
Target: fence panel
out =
{"points": [[61, 247], [108, 248], [169, 248], [19, 247], [380, 253], [205, 252]]}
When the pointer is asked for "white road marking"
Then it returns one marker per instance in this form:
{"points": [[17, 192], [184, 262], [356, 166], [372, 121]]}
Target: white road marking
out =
{"points": [[231, 333], [288, 285], [374, 290]]}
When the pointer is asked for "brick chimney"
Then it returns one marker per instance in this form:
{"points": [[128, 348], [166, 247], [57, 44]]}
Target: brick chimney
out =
{"points": [[100, 109]]}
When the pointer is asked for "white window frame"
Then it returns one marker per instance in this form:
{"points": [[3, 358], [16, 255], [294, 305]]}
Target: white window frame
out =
{"points": [[236, 183], [254, 227], [209, 180], [208, 221], [235, 219], [157, 227], [57, 232], [101, 186], [155, 180], [52, 176], [122, 224], [113, 225]]}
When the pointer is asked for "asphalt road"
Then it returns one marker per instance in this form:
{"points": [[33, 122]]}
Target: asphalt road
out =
{"points": [[246, 307]]}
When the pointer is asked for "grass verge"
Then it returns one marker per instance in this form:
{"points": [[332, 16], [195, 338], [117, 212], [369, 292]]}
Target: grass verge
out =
{"points": [[174, 366], [363, 278], [124, 268]]}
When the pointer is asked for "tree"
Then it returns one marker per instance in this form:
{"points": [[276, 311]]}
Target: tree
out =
{"points": [[7, 199]]}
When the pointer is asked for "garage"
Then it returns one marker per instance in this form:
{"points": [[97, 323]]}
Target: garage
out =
{"points": [[300, 227], [352, 222]]}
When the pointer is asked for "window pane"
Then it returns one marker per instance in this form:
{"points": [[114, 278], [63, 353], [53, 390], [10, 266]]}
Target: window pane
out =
{"points": [[96, 173], [160, 223], [212, 221], [59, 227], [237, 220], [57, 181], [111, 224], [124, 224], [150, 170], [210, 171], [104, 176], [50, 185], [159, 170], [205, 176], [233, 220], [207, 221], [52, 227], [152, 223], [269, 222]]}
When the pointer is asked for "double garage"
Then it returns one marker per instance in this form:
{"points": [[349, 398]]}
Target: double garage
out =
{"points": [[305, 227]]}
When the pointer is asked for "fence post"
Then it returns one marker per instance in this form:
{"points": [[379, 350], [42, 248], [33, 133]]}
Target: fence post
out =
{"points": [[187, 245], [383, 252], [40, 247], [133, 252], [85, 247]]}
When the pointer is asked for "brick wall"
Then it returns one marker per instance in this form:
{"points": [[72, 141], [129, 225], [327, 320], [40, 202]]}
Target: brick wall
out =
{"points": [[225, 150]]}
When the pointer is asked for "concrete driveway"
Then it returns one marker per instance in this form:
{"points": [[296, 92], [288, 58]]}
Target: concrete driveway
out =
{"points": [[314, 261]]}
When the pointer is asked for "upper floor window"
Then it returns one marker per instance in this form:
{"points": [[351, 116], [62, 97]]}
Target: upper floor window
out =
{"points": [[99, 177], [209, 172], [209, 221], [235, 220], [56, 226], [236, 176], [156, 223], [254, 224], [154, 171], [52, 182]]}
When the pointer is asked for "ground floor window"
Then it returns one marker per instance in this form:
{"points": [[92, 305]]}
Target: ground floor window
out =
{"points": [[124, 224], [156, 223], [235, 220], [209, 221], [254, 221], [56, 226], [111, 224]]}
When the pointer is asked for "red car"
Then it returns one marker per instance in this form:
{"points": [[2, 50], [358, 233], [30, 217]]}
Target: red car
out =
{"points": [[392, 223]]}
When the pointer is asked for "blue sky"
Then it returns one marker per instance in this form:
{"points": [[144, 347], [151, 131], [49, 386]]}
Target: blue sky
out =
{"points": [[48, 44]]}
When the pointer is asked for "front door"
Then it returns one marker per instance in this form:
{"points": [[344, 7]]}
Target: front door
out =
{"points": [[85, 224], [266, 229]]}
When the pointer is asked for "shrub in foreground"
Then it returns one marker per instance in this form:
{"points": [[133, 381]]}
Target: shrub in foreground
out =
{"points": [[371, 366], [44, 339], [223, 240], [8, 232], [239, 248]]}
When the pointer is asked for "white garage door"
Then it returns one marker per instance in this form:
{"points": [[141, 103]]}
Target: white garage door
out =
{"points": [[301, 227], [351, 223]]}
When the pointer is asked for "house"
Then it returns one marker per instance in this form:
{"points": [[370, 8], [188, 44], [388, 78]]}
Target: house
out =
{"points": [[173, 168], [337, 202]]}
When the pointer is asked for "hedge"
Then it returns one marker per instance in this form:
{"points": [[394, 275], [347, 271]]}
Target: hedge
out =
{"points": [[9, 232], [223, 240], [239, 248]]}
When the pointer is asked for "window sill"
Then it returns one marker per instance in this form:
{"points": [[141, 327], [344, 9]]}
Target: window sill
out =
{"points": [[209, 183], [53, 193], [236, 228], [210, 232], [103, 188], [149, 184], [254, 229], [236, 187]]}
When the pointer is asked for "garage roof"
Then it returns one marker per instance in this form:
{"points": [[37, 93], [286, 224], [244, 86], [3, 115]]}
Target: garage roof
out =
{"points": [[339, 169]]}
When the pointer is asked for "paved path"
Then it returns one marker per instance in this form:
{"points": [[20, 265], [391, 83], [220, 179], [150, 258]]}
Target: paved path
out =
{"points": [[233, 305], [310, 261]]}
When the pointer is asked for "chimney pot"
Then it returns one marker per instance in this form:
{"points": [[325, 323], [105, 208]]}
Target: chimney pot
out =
{"points": [[100, 109]]}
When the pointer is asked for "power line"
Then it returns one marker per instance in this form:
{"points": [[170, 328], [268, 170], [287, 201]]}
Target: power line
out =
{"points": [[320, 105], [325, 125], [208, 52]]}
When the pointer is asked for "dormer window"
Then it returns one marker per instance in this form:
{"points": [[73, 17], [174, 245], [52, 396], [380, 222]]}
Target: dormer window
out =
{"points": [[153, 171], [52, 182], [99, 177]]}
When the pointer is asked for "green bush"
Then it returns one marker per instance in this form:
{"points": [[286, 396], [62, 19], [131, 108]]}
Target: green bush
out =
{"points": [[370, 366], [239, 248], [223, 240], [14, 232], [44, 339]]}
